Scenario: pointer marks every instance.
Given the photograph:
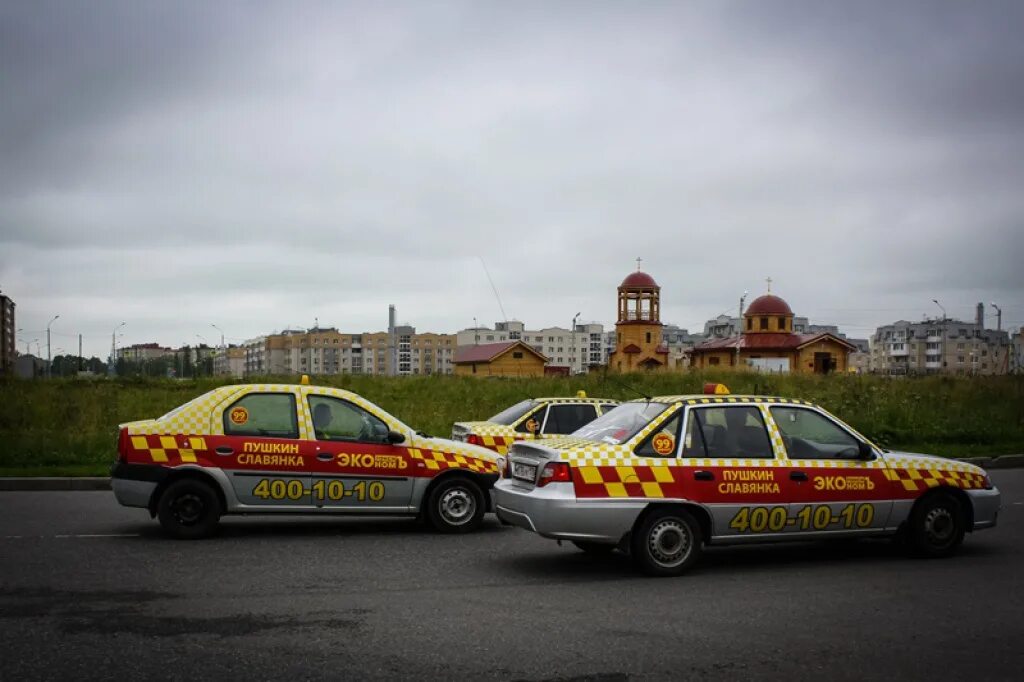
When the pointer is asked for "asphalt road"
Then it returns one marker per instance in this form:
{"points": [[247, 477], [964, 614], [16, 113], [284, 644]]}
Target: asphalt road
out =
{"points": [[91, 590]]}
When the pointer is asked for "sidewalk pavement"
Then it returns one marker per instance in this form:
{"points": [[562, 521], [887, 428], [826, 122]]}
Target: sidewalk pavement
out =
{"points": [[9, 483]]}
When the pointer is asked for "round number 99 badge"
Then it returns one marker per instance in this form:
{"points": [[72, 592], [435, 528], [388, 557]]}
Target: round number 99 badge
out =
{"points": [[663, 444]]}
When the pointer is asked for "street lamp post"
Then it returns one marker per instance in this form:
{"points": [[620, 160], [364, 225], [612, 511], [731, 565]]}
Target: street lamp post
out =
{"points": [[739, 332], [573, 330], [48, 360], [112, 368], [942, 340], [999, 317], [221, 334]]}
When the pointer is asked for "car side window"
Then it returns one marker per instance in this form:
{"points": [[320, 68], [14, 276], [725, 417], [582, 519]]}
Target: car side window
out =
{"points": [[728, 432], [537, 417], [607, 407], [810, 435], [567, 418], [336, 419], [664, 442], [271, 415]]}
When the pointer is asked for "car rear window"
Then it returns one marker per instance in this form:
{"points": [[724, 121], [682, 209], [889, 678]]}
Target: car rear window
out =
{"points": [[512, 414]]}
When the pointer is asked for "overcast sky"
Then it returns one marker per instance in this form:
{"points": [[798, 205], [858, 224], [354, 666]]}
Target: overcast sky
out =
{"points": [[259, 165]]}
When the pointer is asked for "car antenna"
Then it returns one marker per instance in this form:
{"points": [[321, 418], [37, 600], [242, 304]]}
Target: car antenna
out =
{"points": [[626, 386]]}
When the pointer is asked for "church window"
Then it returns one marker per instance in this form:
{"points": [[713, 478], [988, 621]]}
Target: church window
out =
{"points": [[750, 324], [648, 337], [782, 324], [713, 361], [764, 323]]}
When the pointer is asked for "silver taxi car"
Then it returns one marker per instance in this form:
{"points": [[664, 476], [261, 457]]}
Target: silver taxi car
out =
{"points": [[662, 478]]}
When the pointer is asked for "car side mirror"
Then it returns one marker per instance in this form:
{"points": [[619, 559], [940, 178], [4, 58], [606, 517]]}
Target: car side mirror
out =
{"points": [[395, 437], [865, 452]]}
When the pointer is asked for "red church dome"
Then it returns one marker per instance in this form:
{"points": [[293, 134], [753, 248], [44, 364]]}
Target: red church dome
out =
{"points": [[769, 305], [638, 280]]}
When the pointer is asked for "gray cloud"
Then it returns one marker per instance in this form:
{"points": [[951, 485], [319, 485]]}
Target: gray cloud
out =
{"points": [[260, 165]]}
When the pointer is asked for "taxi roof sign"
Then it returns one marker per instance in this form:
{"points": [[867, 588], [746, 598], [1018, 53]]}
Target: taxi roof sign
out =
{"points": [[581, 394], [304, 380], [716, 389]]}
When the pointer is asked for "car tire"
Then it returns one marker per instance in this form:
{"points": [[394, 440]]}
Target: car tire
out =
{"points": [[189, 509], [594, 548], [667, 542], [937, 526], [456, 505]]}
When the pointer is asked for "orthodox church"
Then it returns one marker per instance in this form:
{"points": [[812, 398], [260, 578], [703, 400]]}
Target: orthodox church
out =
{"points": [[638, 342], [768, 343]]}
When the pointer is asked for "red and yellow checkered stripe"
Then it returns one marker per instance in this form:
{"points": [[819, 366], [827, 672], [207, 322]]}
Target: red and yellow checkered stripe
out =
{"points": [[169, 449], [499, 444], [921, 479], [435, 460], [629, 481]]}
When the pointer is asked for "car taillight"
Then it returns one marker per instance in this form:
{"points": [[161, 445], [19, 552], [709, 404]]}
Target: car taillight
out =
{"points": [[554, 472], [122, 446], [474, 439], [504, 467]]}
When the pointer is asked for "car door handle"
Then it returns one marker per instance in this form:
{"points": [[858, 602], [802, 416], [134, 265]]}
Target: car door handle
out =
{"points": [[224, 451], [703, 475], [797, 476], [325, 457]]}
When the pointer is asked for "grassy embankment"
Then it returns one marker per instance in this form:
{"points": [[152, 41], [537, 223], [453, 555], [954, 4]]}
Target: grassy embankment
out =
{"points": [[68, 427]]}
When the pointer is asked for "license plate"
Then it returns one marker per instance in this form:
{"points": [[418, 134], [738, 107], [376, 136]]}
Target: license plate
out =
{"points": [[524, 472]]}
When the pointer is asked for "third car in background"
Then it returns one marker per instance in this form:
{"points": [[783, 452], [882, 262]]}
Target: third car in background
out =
{"points": [[532, 419]]}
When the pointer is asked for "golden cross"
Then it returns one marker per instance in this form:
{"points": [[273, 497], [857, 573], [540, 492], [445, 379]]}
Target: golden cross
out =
{"points": [[769, 280], [638, 263]]}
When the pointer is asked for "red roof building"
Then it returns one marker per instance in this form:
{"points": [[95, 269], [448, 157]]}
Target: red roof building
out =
{"points": [[508, 358], [768, 343]]}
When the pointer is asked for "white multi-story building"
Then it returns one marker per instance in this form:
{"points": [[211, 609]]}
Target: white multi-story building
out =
{"points": [[578, 350]]}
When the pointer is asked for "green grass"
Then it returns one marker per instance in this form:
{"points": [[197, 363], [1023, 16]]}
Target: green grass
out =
{"points": [[68, 427]]}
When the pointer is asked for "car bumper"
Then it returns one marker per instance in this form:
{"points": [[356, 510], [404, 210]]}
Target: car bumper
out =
{"points": [[986, 505], [133, 484], [555, 512]]}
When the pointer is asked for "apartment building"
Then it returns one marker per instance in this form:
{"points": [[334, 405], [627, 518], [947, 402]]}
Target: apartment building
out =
{"points": [[940, 345], [7, 335], [229, 361], [578, 350], [322, 350], [142, 352]]}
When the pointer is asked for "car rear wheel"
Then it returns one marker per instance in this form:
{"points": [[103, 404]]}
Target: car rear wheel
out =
{"points": [[189, 509], [667, 542], [456, 505], [595, 548], [937, 526]]}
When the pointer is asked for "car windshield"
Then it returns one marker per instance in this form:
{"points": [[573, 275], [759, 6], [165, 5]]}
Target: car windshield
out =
{"points": [[512, 414], [622, 423]]}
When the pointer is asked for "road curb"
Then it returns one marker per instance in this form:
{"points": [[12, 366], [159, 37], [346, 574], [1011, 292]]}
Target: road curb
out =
{"points": [[54, 483], [103, 483]]}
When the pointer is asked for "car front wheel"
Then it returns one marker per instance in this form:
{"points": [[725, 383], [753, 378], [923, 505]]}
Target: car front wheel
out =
{"points": [[456, 505], [667, 542], [937, 526], [189, 509]]}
